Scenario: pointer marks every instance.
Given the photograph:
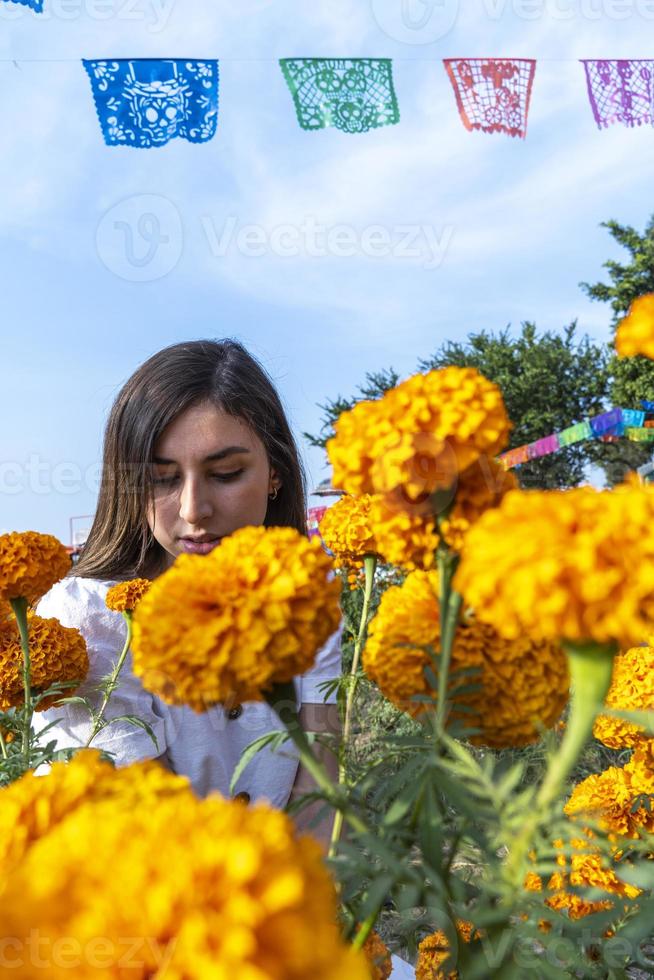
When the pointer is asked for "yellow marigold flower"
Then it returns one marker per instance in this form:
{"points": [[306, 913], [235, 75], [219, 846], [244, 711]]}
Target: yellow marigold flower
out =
{"points": [[419, 435], [434, 950], [125, 596], [233, 623], [57, 653], [34, 805], [584, 868], [30, 564], [406, 539], [632, 689], [345, 529], [373, 524], [635, 333], [479, 488], [378, 956], [574, 565], [522, 686], [208, 888], [608, 797]]}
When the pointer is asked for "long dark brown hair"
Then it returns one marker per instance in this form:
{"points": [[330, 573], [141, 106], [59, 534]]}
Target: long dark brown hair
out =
{"points": [[120, 544]]}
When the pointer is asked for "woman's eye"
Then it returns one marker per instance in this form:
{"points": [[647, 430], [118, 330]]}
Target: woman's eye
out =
{"points": [[227, 476], [165, 481]]}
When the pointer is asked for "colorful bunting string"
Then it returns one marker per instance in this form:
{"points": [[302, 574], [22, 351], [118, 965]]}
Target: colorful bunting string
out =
{"points": [[620, 91], [633, 417], [492, 94], [608, 426], [640, 435], [351, 94], [148, 102], [606, 421], [314, 517]]}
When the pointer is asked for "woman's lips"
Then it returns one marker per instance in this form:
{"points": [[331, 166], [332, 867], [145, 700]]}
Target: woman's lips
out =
{"points": [[198, 547]]}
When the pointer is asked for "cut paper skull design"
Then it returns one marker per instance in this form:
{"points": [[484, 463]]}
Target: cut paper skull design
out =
{"points": [[353, 95], [620, 91], [149, 102], [35, 5]]}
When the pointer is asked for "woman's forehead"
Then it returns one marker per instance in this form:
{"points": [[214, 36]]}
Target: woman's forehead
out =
{"points": [[203, 430]]}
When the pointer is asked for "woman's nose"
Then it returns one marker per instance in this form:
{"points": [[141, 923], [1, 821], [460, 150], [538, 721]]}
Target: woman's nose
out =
{"points": [[194, 502]]}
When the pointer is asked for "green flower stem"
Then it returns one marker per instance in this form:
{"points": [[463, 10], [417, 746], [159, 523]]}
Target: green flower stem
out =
{"points": [[282, 700], [113, 680], [3, 747], [369, 564], [590, 666], [365, 929], [19, 607], [449, 604]]}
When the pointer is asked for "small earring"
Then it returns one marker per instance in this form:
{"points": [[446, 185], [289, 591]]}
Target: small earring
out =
{"points": [[273, 495]]}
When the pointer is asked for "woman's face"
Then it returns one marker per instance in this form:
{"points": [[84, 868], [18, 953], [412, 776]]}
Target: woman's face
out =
{"points": [[211, 476]]}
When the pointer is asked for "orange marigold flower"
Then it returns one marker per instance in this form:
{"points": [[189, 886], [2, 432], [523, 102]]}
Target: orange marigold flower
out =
{"points": [[125, 596], [345, 529], [33, 805], [30, 564], [480, 487], [378, 957], [584, 867], [635, 333], [57, 653], [420, 435], [618, 798], [632, 689], [231, 624], [564, 565], [238, 894], [408, 540], [521, 686], [434, 953]]}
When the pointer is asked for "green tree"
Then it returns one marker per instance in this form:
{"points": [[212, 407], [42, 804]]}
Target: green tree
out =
{"points": [[548, 381], [632, 378]]}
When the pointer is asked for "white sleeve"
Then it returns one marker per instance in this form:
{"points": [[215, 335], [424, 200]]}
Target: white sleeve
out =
{"points": [[80, 603], [326, 668]]}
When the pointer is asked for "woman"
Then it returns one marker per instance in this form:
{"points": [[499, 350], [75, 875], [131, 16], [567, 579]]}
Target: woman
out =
{"points": [[197, 445]]}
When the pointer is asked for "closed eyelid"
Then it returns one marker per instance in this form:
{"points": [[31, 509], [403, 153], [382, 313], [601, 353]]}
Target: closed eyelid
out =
{"points": [[170, 477]]}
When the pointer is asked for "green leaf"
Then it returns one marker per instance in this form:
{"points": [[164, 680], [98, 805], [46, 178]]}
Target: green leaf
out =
{"points": [[137, 722], [274, 739]]}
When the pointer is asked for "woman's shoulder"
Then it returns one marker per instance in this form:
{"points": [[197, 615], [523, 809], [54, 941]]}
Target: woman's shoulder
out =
{"points": [[76, 587], [75, 600]]}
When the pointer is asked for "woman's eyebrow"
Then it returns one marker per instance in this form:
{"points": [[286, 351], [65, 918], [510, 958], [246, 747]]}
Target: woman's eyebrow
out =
{"points": [[229, 451]]}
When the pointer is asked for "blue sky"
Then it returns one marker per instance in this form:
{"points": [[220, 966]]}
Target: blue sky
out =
{"points": [[505, 229]]}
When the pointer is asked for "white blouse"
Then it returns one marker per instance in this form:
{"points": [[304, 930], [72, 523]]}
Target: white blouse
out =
{"points": [[205, 747]]}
